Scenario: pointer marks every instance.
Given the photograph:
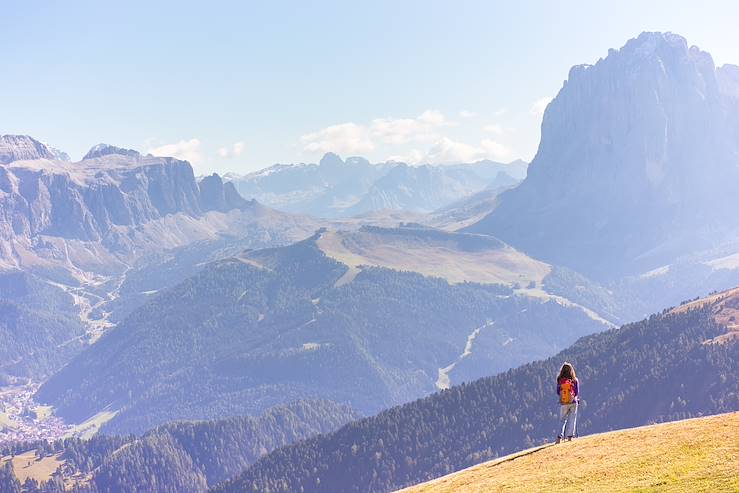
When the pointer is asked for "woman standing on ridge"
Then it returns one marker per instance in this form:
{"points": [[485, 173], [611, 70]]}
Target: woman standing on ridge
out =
{"points": [[568, 390]]}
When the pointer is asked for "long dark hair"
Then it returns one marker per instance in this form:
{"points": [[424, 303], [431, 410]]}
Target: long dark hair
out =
{"points": [[567, 371]]}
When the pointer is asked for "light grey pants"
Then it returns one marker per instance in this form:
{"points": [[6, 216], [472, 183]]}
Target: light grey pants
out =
{"points": [[568, 417]]}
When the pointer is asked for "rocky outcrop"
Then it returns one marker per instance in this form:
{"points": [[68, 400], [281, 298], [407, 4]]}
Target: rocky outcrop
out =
{"points": [[84, 202], [20, 147], [218, 196], [101, 150], [55, 213], [637, 164]]}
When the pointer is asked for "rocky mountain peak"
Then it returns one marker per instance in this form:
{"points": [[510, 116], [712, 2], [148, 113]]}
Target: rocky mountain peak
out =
{"points": [[728, 79], [100, 150], [331, 159], [23, 147], [635, 160], [215, 195]]}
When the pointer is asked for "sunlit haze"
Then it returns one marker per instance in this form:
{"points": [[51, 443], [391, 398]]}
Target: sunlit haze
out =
{"points": [[238, 86]]}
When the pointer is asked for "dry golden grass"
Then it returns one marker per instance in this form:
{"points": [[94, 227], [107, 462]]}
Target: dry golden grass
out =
{"points": [[696, 455], [725, 313], [6, 422], [440, 259], [91, 426], [26, 466]]}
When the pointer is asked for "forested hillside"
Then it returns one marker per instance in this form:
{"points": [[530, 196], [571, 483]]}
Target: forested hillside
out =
{"points": [[40, 328], [281, 324], [180, 457], [666, 367]]}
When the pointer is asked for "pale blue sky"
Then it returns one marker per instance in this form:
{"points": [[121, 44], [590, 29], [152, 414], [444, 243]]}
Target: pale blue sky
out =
{"points": [[237, 86]]}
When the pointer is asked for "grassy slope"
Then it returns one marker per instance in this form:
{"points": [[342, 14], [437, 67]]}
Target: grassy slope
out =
{"points": [[27, 465], [440, 256], [694, 455]]}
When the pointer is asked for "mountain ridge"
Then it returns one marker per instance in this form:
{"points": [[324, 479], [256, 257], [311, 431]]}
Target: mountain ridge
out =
{"points": [[335, 188], [82, 227], [649, 135]]}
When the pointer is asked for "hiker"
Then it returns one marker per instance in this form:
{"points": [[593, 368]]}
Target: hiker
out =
{"points": [[568, 390]]}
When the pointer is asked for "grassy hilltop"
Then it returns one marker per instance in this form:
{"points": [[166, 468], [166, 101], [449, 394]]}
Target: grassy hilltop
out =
{"points": [[693, 455]]}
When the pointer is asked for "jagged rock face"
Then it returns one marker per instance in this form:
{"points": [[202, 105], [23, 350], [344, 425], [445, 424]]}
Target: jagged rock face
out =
{"points": [[217, 196], [19, 147], [59, 155], [637, 162], [66, 221], [101, 150], [84, 203], [99, 198]]}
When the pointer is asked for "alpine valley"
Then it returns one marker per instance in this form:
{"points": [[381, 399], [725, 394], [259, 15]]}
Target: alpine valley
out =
{"points": [[350, 326]]}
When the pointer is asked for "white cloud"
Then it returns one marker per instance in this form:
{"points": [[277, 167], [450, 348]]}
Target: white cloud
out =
{"points": [[423, 128], [403, 133], [448, 151], [354, 138], [500, 112], [236, 150], [432, 117], [496, 151], [414, 156], [494, 128], [538, 107], [398, 131], [467, 114], [344, 138], [187, 150]]}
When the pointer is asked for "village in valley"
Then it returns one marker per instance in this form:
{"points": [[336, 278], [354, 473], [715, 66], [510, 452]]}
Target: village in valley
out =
{"points": [[22, 419]]}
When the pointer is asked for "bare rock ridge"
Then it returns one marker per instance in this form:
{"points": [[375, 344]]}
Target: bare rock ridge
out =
{"points": [[19, 147], [218, 196], [637, 163], [97, 198], [106, 149]]}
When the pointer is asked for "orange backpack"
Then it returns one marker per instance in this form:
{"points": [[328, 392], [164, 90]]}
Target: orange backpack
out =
{"points": [[566, 392]]}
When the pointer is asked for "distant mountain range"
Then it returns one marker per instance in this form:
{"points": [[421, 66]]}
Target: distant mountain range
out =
{"points": [[71, 232], [335, 188], [136, 294], [115, 199], [636, 166]]}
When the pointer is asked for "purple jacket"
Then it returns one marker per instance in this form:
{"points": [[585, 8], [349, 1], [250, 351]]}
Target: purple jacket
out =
{"points": [[576, 389]]}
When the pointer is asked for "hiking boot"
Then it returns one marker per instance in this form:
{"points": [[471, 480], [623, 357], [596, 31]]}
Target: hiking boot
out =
{"points": [[569, 439], [558, 440]]}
